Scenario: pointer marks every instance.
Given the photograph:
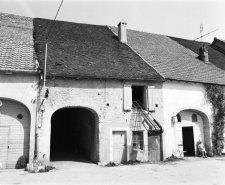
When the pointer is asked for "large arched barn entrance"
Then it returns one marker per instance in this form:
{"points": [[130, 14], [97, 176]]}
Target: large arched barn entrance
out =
{"points": [[74, 135], [14, 133]]}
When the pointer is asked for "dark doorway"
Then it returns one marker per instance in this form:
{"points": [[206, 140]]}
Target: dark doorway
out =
{"points": [[138, 94], [188, 141], [74, 135]]}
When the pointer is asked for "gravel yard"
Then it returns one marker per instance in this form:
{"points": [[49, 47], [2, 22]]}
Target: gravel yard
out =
{"points": [[210, 171]]}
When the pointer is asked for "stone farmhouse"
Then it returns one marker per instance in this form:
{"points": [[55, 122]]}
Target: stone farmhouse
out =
{"points": [[111, 94]]}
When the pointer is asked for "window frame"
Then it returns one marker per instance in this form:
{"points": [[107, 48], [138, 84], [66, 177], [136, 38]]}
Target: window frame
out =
{"points": [[194, 118], [138, 140]]}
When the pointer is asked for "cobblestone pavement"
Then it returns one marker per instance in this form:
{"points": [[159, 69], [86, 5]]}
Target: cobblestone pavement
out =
{"points": [[191, 171]]}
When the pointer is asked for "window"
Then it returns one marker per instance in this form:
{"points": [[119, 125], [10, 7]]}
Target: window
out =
{"points": [[138, 95], [194, 118], [141, 94], [178, 118], [138, 141]]}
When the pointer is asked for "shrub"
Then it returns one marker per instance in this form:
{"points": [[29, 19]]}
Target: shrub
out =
{"points": [[216, 96]]}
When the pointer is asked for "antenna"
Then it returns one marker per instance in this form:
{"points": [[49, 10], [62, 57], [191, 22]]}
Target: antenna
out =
{"points": [[201, 30]]}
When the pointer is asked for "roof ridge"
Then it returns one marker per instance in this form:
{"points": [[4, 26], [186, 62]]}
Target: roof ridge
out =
{"points": [[20, 27], [13, 16], [138, 54], [187, 39], [88, 24], [141, 31]]}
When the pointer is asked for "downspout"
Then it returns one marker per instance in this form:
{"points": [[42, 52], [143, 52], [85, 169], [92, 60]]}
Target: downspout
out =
{"points": [[37, 115]]}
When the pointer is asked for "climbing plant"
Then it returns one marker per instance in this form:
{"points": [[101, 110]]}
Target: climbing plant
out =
{"points": [[216, 96]]}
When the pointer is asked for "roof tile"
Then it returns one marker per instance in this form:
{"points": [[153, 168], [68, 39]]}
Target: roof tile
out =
{"points": [[16, 43], [172, 60], [82, 50]]}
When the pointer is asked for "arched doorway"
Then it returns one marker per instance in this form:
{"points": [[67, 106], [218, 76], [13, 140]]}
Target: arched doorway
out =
{"points": [[14, 133], [192, 125], [74, 135]]}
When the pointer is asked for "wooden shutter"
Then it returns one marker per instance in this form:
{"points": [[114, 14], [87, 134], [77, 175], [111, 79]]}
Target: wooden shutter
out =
{"points": [[151, 103], [127, 97]]}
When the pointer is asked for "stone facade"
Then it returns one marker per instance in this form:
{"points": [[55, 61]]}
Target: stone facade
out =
{"points": [[102, 97], [105, 99]]}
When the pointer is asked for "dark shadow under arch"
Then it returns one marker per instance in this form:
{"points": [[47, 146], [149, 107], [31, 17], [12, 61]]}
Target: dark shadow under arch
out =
{"points": [[74, 135]]}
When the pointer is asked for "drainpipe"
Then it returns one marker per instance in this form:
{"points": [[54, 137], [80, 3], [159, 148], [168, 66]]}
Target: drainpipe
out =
{"points": [[37, 114]]}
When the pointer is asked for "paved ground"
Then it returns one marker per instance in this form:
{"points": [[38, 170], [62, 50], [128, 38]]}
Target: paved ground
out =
{"points": [[191, 171]]}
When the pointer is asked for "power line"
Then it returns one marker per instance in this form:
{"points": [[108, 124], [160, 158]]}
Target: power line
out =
{"points": [[54, 20]]}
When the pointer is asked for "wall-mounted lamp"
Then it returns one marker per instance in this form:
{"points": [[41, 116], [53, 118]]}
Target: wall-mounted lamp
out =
{"points": [[174, 119]]}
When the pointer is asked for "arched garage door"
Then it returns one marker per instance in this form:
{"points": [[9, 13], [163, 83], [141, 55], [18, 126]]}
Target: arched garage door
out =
{"points": [[14, 132]]}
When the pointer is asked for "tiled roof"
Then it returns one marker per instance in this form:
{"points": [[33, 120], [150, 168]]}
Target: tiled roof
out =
{"points": [[82, 50], [171, 59], [219, 45], [16, 43], [215, 50]]}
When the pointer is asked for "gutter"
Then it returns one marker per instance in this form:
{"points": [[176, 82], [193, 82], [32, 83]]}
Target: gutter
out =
{"points": [[101, 78]]}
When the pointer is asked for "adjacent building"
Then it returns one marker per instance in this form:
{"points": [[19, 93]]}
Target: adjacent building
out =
{"points": [[18, 89]]}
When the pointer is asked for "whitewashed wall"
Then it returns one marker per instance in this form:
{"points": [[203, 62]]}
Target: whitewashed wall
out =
{"points": [[22, 88], [178, 96]]}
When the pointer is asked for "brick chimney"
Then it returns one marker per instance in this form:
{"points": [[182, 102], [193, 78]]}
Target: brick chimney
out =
{"points": [[203, 54], [122, 31]]}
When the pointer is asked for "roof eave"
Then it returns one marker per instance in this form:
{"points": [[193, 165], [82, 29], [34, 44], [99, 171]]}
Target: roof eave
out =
{"points": [[189, 81], [20, 71], [102, 78]]}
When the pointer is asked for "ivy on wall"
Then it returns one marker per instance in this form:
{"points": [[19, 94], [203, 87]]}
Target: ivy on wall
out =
{"points": [[216, 96]]}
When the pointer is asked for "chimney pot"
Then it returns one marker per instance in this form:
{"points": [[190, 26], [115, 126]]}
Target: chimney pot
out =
{"points": [[122, 31], [203, 54]]}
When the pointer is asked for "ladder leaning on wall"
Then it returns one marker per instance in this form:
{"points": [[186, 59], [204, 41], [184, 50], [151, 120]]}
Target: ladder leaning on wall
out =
{"points": [[145, 118]]}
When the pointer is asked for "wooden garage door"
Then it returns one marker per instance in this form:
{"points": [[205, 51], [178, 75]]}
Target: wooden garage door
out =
{"points": [[15, 132]]}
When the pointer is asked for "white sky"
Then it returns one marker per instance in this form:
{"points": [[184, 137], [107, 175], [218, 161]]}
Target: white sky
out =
{"points": [[168, 17]]}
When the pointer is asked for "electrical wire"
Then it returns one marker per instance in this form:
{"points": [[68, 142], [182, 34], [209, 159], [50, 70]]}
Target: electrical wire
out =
{"points": [[54, 20]]}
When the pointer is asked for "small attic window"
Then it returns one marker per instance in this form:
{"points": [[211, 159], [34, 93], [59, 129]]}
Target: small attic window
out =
{"points": [[194, 118], [178, 118]]}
